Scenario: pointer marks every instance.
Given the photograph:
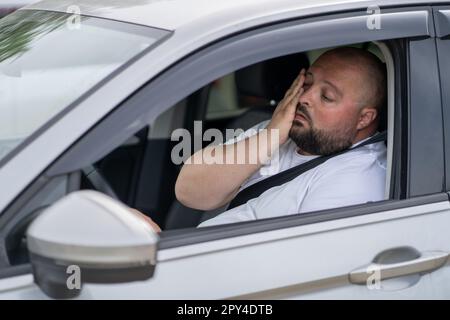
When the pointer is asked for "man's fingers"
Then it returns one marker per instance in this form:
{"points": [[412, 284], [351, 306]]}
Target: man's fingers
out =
{"points": [[295, 95], [292, 94], [297, 84], [294, 102], [153, 224], [302, 78], [299, 80]]}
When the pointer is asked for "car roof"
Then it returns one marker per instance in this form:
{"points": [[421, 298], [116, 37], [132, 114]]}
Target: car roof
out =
{"points": [[174, 14]]}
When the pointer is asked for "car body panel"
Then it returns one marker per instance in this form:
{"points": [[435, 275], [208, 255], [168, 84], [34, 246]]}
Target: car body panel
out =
{"points": [[311, 261], [205, 15]]}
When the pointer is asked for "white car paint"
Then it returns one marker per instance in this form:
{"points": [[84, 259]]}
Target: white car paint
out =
{"points": [[279, 261]]}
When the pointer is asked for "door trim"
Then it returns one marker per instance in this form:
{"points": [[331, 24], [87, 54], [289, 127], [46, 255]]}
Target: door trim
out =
{"points": [[179, 243]]}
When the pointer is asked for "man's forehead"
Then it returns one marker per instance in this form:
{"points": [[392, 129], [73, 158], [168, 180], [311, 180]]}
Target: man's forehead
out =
{"points": [[346, 80], [336, 71], [323, 74]]}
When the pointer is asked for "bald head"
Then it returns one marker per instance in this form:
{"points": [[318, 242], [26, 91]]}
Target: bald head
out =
{"points": [[344, 92], [367, 67]]}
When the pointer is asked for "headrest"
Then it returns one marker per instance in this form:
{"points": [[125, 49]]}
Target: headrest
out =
{"points": [[270, 79]]}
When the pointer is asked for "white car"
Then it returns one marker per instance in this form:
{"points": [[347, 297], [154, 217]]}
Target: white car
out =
{"points": [[91, 92]]}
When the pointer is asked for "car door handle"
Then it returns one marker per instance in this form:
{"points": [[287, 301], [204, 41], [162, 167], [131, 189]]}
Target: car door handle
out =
{"points": [[427, 262]]}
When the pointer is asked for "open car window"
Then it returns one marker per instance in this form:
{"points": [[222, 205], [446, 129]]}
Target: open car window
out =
{"points": [[144, 173], [141, 172]]}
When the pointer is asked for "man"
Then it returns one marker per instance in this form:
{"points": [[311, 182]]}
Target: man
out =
{"points": [[331, 107]]}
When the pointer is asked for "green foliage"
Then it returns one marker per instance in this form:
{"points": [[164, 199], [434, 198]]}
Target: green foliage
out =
{"points": [[18, 30]]}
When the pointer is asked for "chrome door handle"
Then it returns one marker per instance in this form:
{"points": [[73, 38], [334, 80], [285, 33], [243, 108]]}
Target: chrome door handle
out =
{"points": [[427, 262]]}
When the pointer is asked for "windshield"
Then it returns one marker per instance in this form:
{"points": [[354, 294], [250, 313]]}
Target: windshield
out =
{"points": [[49, 59]]}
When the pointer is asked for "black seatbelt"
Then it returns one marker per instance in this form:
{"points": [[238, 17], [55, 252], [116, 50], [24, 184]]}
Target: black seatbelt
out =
{"points": [[255, 190]]}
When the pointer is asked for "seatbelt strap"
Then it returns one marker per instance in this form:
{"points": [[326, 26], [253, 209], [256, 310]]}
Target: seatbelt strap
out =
{"points": [[255, 190]]}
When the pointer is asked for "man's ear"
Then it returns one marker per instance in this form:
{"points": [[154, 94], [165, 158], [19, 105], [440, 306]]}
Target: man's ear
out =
{"points": [[367, 116]]}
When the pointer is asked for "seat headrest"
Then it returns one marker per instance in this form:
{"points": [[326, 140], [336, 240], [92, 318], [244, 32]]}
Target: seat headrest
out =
{"points": [[271, 78]]}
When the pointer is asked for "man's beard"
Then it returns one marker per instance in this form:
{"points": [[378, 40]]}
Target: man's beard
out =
{"points": [[319, 142]]}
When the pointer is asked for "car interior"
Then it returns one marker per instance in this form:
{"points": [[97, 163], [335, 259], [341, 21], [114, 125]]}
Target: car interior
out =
{"points": [[141, 174]]}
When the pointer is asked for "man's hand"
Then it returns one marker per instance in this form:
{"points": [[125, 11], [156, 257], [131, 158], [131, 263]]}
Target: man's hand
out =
{"points": [[284, 114], [147, 219], [197, 185]]}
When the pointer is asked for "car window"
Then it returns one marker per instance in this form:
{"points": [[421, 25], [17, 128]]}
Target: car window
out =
{"points": [[15, 226], [153, 191], [223, 100], [142, 172], [48, 60]]}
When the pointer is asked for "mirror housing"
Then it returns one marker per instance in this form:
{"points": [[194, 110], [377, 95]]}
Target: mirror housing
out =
{"points": [[87, 237]]}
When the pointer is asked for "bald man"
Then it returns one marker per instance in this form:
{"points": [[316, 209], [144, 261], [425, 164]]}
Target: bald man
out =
{"points": [[332, 106]]}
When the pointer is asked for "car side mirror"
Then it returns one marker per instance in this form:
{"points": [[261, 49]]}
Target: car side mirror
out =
{"points": [[87, 237]]}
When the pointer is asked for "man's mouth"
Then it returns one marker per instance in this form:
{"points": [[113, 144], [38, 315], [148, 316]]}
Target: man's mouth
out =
{"points": [[300, 117]]}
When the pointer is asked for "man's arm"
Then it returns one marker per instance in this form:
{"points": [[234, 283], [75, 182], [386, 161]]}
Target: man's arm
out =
{"points": [[208, 186]]}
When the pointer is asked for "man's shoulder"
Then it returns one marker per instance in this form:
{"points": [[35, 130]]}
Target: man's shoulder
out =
{"points": [[367, 158]]}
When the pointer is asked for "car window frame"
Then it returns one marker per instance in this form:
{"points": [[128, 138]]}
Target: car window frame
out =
{"points": [[409, 30], [442, 21], [84, 151]]}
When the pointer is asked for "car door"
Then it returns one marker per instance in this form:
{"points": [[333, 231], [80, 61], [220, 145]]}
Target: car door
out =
{"points": [[396, 248]]}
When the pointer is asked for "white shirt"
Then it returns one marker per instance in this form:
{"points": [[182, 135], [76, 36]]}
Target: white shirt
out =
{"points": [[354, 177]]}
